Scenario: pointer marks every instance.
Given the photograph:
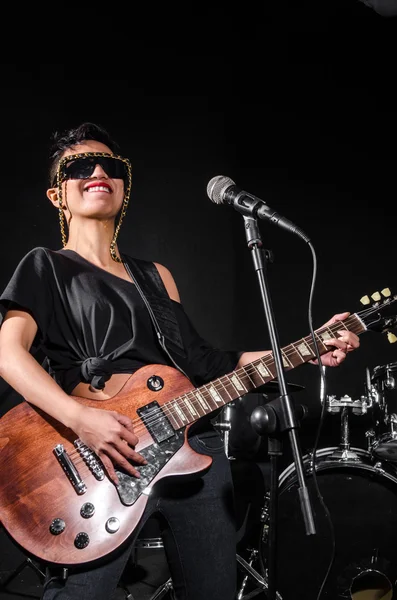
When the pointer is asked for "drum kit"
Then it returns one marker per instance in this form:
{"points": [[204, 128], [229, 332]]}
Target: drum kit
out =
{"points": [[353, 492]]}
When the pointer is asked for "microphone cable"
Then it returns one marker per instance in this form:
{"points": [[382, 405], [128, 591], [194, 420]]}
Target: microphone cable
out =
{"points": [[323, 397]]}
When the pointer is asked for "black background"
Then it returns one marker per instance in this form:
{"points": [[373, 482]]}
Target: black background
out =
{"points": [[295, 103]]}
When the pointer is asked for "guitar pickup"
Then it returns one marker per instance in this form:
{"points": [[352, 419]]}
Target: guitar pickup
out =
{"points": [[154, 419], [69, 468]]}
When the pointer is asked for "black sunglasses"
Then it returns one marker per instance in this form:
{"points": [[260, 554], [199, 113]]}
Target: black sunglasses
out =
{"points": [[82, 166]]}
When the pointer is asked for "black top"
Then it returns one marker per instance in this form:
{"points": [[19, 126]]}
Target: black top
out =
{"points": [[92, 323]]}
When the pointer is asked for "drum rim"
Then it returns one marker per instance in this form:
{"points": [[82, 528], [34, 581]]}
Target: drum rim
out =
{"points": [[383, 470]]}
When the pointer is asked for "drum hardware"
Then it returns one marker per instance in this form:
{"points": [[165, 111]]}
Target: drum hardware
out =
{"points": [[253, 553], [254, 556], [343, 406], [381, 386], [362, 500], [262, 581], [370, 435]]}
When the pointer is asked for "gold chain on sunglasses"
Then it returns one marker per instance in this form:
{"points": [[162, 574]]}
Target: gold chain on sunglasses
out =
{"points": [[126, 199]]}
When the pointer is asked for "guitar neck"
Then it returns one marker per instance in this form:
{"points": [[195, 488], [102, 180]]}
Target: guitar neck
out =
{"points": [[207, 398]]}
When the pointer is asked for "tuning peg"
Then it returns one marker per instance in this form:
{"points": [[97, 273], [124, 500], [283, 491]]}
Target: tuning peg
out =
{"points": [[386, 292], [376, 296], [365, 300], [391, 337]]}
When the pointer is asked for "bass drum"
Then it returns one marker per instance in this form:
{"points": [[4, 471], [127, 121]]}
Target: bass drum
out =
{"points": [[361, 498]]}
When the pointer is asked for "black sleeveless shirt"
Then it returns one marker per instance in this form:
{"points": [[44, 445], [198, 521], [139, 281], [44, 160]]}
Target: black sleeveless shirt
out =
{"points": [[92, 323]]}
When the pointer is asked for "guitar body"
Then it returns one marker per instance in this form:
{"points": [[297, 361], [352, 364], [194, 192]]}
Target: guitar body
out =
{"points": [[56, 501], [36, 489]]}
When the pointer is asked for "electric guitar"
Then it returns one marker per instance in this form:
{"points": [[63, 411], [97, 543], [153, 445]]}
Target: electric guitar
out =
{"points": [[56, 500]]}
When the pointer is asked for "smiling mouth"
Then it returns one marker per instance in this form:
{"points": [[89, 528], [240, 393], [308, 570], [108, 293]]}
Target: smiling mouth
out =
{"points": [[98, 188]]}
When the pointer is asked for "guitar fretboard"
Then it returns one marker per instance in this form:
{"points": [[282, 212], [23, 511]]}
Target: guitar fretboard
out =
{"points": [[204, 400]]}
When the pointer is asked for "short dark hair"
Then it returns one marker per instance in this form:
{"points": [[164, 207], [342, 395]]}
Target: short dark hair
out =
{"points": [[62, 141]]}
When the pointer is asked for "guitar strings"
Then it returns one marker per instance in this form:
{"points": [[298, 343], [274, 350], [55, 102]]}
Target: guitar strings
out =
{"points": [[246, 372], [357, 327], [158, 413]]}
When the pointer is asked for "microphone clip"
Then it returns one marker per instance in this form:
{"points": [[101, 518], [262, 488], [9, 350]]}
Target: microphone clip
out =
{"points": [[272, 418]]}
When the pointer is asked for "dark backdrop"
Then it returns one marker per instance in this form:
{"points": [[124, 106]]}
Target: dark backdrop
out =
{"points": [[296, 105]]}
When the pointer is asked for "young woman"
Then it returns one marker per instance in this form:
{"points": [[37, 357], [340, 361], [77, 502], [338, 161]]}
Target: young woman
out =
{"points": [[93, 311]]}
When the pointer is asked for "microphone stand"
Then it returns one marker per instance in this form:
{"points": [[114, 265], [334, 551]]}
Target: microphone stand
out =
{"points": [[278, 416]]}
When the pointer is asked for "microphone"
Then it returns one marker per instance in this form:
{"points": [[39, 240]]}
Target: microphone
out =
{"points": [[223, 190]]}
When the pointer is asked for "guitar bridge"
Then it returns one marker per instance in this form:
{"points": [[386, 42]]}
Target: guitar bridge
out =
{"points": [[69, 468], [90, 460]]}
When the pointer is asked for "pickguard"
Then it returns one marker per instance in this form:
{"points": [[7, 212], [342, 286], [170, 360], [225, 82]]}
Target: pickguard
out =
{"points": [[157, 455]]}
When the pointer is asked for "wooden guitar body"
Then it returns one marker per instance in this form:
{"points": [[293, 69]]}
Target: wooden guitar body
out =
{"points": [[36, 490]]}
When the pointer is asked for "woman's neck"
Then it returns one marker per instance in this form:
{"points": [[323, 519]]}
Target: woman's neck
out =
{"points": [[93, 242]]}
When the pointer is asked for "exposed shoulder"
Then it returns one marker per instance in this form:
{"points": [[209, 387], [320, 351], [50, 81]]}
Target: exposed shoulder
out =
{"points": [[168, 281]]}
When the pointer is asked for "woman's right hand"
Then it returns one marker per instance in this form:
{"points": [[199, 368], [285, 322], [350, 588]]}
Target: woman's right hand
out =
{"points": [[111, 436]]}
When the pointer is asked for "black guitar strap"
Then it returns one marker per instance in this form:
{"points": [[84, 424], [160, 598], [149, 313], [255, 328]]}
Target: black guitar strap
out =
{"points": [[154, 294]]}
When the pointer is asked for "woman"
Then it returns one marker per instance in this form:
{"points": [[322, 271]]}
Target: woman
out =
{"points": [[94, 312]]}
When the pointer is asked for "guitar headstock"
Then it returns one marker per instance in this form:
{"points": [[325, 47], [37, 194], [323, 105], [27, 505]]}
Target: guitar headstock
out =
{"points": [[378, 316]]}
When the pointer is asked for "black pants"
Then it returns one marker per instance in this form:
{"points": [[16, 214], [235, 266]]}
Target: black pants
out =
{"points": [[199, 537]]}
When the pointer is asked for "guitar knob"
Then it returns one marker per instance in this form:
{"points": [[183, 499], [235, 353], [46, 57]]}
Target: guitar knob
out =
{"points": [[81, 540], [112, 525], [365, 300], [87, 510], [57, 526], [155, 383]]}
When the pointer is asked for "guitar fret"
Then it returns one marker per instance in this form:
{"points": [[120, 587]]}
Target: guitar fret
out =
{"points": [[250, 379], [263, 370], [226, 390], [215, 395], [180, 413], [202, 401], [256, 377], [270, 365], [303, 349], [332, 333], [319, 339], [197, 405], [286, 361], [294, 356], [238, 384], [210, 399], [191, 408], [173, 419]]}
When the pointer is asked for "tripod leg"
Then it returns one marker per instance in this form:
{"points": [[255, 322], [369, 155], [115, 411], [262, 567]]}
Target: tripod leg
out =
{"points": [[26, 563], [163, 590], [15, 573]]}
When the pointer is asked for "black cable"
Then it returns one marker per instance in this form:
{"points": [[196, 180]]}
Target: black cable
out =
{"points": [[320, 426]]}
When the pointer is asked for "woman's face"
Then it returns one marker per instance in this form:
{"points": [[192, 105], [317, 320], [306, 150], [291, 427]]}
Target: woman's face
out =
{"points": [[97, 196]]}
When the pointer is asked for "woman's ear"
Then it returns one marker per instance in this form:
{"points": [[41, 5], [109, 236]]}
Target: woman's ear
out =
{"points": [[52, 195]]}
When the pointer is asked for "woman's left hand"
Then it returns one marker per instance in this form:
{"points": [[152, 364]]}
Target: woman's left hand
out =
{"points": [[347, 342]]}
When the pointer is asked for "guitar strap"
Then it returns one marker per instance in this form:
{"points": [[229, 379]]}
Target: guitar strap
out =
{"points": [[154, 294]]}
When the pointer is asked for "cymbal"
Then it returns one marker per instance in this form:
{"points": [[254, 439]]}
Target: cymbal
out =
{"points": [[272, 387]]}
